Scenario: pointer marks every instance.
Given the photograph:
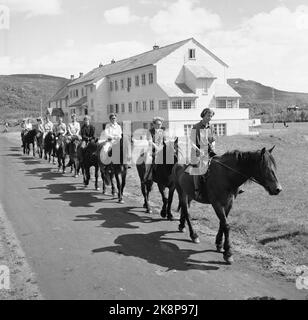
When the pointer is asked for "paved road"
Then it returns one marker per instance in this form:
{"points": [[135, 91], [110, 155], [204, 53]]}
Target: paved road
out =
{"points": [[83, 245]]}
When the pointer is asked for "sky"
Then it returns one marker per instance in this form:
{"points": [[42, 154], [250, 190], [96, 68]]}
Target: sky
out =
{"points": [[264, 40]]}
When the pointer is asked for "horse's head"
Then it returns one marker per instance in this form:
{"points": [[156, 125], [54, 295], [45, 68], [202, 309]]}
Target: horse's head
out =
{"points": [[266, 172]]}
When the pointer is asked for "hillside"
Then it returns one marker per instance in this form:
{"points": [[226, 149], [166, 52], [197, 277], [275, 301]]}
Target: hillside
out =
{"points": [[21, 95], [259, 98]]}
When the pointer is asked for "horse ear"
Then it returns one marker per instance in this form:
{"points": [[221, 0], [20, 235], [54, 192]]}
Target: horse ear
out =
{"points": [[271, 150], [263, 152]]}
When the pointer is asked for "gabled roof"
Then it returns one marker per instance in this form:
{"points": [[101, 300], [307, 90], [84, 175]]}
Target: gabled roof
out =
{"points": [[81, 102], [62, 93], [200, 72], [225, 91], [138, 61]]}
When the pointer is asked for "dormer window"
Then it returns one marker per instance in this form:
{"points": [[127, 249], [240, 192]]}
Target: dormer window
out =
{"points": [[192, 54]]}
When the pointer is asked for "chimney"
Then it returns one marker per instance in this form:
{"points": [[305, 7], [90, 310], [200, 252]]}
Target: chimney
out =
{"points": [[80, 74], [72, 77], [112, 61], [155, 47], [101, 65]]}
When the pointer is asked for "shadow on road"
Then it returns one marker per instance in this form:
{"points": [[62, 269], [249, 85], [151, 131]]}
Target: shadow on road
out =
{"points": [[153, 248], [43, 173], [121, 218]]}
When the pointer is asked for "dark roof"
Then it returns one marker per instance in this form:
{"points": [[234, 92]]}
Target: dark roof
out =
{"points": [[138, 61], [79, 103], [62, 93]]}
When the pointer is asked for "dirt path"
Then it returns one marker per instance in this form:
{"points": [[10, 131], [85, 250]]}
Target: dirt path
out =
{"points": [[83, 245]]}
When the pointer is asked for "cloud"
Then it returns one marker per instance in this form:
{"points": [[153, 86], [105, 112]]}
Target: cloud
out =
{"points": [[121, 15], [68, 60], [35, 7], [183, 19], [270, 47]]}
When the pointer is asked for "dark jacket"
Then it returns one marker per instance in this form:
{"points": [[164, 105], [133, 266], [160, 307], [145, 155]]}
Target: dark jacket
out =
{"points": [[87, 132]]}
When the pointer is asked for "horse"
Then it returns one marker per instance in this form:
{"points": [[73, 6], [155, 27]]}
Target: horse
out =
{"points": [[50, 146], [219, 186], [112, 160], [60, 148], [39, 139], [28, 138], [161, 174], [74, 152]]}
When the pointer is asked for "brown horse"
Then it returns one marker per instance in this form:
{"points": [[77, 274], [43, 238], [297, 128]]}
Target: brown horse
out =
{"points": [[113, 163], [220, 186], [28, 138], [161, 173], [74, 151]]}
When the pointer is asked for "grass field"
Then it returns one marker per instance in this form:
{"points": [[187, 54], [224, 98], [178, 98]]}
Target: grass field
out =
{"points": [[276, 225]]}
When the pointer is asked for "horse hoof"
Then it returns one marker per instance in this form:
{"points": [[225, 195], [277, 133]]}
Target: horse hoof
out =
{"points": [[182, 230], [170, 217], [121, 201], [196, 240], [219, 249], [163, 214], [229, 260]]}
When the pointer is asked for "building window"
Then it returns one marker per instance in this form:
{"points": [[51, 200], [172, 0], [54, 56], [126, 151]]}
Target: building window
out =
{"points": [[123, 108], [151, 105], [187, 129], [143, 80], [129, 83], [117, 108], [111, 86], [86, 112], [151, 78], [73, 111], [82, 92], [77, 93], [231, 104], [122, 84], [137, 81], [91, 89], [163, 104], [144, 106], [130, 107], [221, 104], [189, 104], [137, 105], [220, 129], [176, 104], [192, 54], [116, 85]]}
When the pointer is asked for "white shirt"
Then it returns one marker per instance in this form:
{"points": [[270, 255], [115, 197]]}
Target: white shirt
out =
{"points": [[74, 129], [48, 126], [113, 131]]}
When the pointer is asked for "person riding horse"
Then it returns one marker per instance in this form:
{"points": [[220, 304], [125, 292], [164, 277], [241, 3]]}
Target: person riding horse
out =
{"points": [[26, 126], [87, 131], [156, 138], [202, 146], [73, 129]]}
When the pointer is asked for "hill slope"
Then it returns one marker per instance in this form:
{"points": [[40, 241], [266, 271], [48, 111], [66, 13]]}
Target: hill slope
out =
{"points": [[21, 95], [259, 98]]}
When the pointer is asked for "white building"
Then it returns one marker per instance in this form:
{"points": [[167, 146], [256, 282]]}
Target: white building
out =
{"points": [[175, 82]]}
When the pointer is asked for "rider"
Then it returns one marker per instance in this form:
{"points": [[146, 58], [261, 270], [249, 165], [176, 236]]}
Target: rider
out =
{"points": [[26, 126], [48, 126], [156, 138], [203, 145], [73, 129], [113, 131], [40, 125], [87, 131], [60, 129]]}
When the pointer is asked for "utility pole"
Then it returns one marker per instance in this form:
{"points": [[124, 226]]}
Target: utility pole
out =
{"points": [[41, 108], [273, 109]]}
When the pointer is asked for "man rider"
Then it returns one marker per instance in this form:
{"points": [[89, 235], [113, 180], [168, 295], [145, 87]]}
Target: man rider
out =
{"points": [[87, 130]]}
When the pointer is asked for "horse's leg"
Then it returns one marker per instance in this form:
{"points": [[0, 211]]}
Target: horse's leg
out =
{"points": [[33, 144], [119, 186], [222, 213], [86, 175], [113, 188], [170, 199], [162, 191], [63, 162], [96, 178], [123, 178], [219, 238]]}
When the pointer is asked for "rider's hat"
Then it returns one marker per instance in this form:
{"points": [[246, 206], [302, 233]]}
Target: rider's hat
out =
{"points": [[207, 111], [158, 119]]}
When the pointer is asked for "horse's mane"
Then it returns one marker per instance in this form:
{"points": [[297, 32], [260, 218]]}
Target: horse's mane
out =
{"points": [[248, 158]]}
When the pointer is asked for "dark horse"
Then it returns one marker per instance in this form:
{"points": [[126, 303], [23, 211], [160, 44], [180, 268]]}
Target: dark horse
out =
{"points": [[220, 186], [112, 160], [40, 144], [29, 138], [60, 148], [50, 146], [161, 173], [74, 152]]}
